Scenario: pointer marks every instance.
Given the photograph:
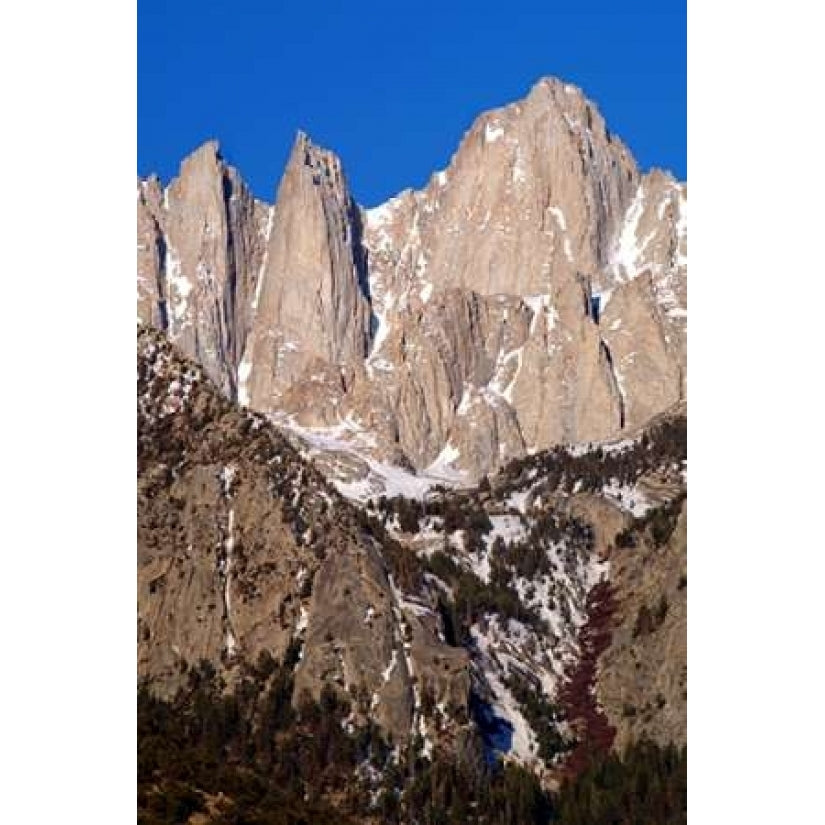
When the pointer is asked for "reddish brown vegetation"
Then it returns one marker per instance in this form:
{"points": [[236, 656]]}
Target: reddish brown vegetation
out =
{"points": [[577, 696]]}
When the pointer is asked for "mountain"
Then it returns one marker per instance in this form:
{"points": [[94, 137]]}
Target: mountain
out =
{"points": [[244, 549], [412, 486], [532, 294], [427, 611]]}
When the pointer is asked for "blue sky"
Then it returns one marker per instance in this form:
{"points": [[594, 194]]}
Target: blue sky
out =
{"points": [[392, 86]]}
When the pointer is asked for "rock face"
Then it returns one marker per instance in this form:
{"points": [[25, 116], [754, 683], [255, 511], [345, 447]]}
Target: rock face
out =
{"points": [[642, 682], [530, 298], [350, 637], [533, 293], [467, 608], [312, 309], [244, 548], [200, 245]]}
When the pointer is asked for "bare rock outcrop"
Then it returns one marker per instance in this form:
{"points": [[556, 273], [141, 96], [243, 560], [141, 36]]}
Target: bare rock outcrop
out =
{"points": [[312, 312], [200, 244], [642, 676], [351, 639], [244, 548], [533, 293], [542, 204]]}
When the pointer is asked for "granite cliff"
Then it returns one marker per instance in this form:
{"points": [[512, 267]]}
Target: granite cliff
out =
{"points": [[532, 294]]}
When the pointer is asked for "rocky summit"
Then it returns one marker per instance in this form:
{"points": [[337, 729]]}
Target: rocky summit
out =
{"points": [[532, 294], [412, 485]]}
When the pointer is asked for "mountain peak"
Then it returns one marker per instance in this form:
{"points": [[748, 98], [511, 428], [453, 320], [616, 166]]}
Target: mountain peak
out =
{"points": [[444, 320], [555, 84], [323, 163], [209, 152]]}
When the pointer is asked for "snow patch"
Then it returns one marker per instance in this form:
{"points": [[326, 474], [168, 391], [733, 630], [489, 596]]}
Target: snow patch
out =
{"points": [[244, 371], [181, 285], [385, 676], [493, 132], [229, 546], [557, 213], [518, 501], [507, 528], [382, 331], [380, 215], [681, 231], [262, 268], [502, 368], [448, 455], [382, 477], [523, 745], [468, 399], [628, 496], [519, 173], [627, 251], [227, 477], [537, 303], [377, 221], [559, 216], [572, 124]]}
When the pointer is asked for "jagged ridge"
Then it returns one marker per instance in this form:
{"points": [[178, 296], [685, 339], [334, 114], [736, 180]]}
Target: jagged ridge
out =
{"points": [[469, 322]]}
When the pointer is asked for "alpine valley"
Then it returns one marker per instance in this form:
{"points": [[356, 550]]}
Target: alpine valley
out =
{"points": [[412, 486]]}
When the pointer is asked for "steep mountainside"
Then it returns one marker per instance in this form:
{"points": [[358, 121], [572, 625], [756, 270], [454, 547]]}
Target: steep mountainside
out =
{"points": [[201, 243], [534, 293], [642, 680], [466, 604], [412, 486], [243, 548]]}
